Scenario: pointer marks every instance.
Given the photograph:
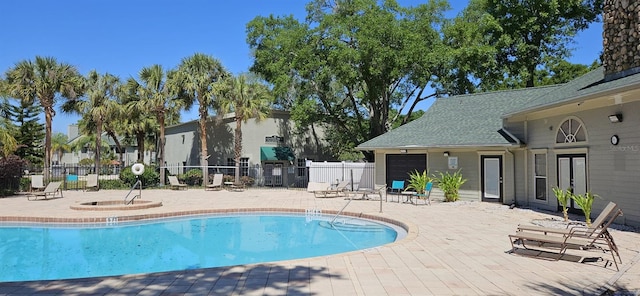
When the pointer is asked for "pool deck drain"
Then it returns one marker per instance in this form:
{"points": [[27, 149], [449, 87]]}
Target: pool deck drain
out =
{"points": [[452, 249]]}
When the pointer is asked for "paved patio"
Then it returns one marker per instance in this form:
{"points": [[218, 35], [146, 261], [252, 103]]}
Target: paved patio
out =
{"points": [[451, 249]]}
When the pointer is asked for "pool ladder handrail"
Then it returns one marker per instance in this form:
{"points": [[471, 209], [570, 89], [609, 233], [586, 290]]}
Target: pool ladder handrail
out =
{"points": [[340, 212], [138, 183]]}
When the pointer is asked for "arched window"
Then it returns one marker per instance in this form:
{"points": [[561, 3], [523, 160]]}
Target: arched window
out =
{"points": [[571, 131]]}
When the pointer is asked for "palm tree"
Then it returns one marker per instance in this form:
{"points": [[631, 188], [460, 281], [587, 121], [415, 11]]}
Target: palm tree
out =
{"points": [[88, 140], [157, 93], [60, 145], [197, 76], [138, 123], [246, 98], [44, 80], [99, 104], [8, 144]]}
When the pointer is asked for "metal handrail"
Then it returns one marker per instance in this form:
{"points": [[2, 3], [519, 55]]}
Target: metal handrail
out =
{"points": [[340, 212], [132, 188]]}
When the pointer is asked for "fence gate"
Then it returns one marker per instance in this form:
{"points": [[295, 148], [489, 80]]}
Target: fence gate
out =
{"points": [[273, 174]]}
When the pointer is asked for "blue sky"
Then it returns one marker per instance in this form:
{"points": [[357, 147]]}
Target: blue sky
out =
{"points": [[123, 36]]}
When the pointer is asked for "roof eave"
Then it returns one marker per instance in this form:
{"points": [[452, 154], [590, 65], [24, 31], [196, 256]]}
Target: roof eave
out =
{"points": [[574, 99]]}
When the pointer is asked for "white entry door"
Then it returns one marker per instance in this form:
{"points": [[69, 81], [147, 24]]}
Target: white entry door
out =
{"points": [[491, 178]]}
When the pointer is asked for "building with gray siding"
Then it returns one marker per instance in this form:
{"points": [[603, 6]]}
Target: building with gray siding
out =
{"points": [[514, 146]]}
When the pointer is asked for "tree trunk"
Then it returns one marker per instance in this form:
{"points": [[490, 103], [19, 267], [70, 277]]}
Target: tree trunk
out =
{"points": [[118, 145], [140, 140], [161, 148], [48, 116], [98, 145], [204, 154], [238, 147]]}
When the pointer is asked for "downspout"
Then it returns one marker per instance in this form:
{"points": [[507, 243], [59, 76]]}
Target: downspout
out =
{"points": [[526, 166]]}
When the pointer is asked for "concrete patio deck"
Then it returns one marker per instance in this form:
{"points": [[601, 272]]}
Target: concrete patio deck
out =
{"points": [[451, 249]]}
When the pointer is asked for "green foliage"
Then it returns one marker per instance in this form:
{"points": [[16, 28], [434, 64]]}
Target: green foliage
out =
{"points": [[450, 184], [149, 178], [11, 170], [351, 155], [113, 184], [59, 145], [46, 80], [28, 131], [350, 63], [585, 202], [563, 197], [418, 181], [561, 72], [496, 44], [85, 162], [537, 32], [25, 184], [192, 177]]}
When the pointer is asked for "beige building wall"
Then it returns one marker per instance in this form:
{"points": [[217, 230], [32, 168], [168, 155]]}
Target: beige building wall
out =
{"points": [[183, 140]]}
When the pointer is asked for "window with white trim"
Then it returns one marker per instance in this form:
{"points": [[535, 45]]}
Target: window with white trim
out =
{"points": [[244, 166], [540, 176], [571, 131]]}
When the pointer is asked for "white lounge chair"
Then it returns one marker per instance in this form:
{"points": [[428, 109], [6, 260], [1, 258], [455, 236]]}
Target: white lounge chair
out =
{"points": [[175, 184], [216, 184], [323, 189], [51, 190], [92, 182], [37, 182]]}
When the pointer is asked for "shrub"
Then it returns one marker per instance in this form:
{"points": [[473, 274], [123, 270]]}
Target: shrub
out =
{"points": [[450, 184], [25, 184], [113, 184], [418, 181], [11, 170], [192, 177], [247, 181], [585, 202], [86, 162], [149, 178], [563, 197], [228, 178]]}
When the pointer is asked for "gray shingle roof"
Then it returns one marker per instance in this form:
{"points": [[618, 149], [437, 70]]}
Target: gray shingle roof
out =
{"points": [[474, 120], [589, 84], [465, 120]]}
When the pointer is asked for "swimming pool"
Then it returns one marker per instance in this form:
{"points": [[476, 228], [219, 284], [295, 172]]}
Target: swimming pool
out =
{"points": [[37, 252]]}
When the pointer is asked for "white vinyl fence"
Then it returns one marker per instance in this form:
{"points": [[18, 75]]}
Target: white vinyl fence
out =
{"points": [[360, 174]]}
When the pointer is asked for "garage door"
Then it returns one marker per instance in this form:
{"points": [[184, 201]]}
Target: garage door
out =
{"points": [[400, 165]]}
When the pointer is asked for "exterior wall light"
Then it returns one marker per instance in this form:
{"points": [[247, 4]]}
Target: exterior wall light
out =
{"points": [[446, 154], [615, 118]]}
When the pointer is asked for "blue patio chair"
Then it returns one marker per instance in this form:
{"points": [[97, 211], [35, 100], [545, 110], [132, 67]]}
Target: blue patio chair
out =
{"points": [[397, 187], [426, 194]]}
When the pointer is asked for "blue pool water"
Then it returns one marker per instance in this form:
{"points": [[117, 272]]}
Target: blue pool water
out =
{"points": [[64, 252]]}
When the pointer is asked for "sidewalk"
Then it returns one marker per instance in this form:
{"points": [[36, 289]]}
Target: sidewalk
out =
{"points": [[451, 249]]}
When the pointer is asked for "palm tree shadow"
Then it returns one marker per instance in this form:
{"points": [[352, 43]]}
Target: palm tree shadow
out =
{"points": [[238, 280]]}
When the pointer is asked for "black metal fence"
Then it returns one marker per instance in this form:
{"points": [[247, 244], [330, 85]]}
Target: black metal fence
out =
{"points": [[73, 176], [269, 175]]}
